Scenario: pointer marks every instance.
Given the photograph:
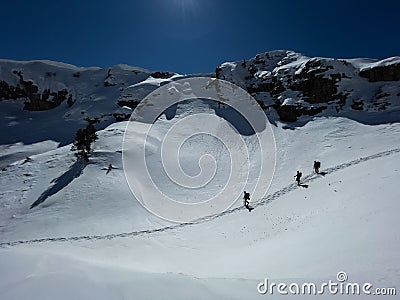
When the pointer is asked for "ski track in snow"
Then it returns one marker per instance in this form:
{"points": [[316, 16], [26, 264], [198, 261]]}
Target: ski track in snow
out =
{"points": [[262, 201]]}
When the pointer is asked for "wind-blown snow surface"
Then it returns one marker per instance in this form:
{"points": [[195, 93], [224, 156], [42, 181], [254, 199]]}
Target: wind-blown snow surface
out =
{"points": [[346, 221]]}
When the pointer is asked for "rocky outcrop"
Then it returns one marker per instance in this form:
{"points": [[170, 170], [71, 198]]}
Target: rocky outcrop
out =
{"points": [[10, 92], [382, 73], [109, 80], [291, 113], [47, 100], [159, 74], [128, 103], [315, 84], [35, 100]]}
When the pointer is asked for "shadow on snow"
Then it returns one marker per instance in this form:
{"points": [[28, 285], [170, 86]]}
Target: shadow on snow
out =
{"points": [[61, 182]]}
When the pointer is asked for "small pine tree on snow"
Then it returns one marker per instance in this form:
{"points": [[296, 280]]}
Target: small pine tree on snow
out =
{"points": [[83, 141]]}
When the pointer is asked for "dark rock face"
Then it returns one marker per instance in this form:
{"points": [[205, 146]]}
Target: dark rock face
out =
{"points": [[357, 105], [109, 79], [11, 92], [287, 113], [316, 87], [128, 103], [36, 101], [159, 74], [47, 100], [382, 73], [291, 113]]}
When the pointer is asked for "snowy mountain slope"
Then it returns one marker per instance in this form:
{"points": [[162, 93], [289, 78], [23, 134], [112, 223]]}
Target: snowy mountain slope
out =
{"points": [[54, 100], [353, 208], [90, 239], [92, 93]]}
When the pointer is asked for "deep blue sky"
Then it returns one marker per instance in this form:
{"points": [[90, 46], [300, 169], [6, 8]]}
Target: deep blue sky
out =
{"points": [[191, 36]]}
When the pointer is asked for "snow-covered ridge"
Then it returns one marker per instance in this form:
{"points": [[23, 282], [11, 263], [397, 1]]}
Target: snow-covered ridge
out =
{"points": [[380, 63], [319, 86], [56, 64], [68, 97]]}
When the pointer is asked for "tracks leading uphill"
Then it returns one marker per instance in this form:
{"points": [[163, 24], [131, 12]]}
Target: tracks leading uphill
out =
{"points": [[262, 201]]}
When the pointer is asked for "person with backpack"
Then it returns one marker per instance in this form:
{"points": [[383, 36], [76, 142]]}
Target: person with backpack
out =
{"points": [[298, 177], [246, 201], [317, 165]]}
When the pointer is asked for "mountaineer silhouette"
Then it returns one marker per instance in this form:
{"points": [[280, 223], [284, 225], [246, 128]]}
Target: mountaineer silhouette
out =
{"points": [[298, 177], [317, 165], [246, 201], [110, 167]]}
